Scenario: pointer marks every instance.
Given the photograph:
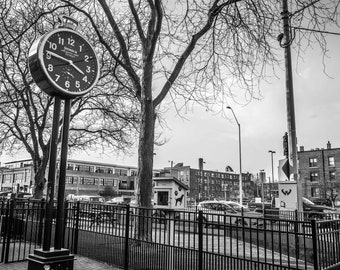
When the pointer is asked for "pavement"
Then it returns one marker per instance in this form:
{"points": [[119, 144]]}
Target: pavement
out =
{"points": [[80, 263]]}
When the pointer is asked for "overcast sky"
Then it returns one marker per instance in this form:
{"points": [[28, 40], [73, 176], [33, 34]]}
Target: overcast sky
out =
{"points": [[263, 122]]}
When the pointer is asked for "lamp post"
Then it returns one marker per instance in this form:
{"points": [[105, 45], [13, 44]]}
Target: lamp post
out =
{"points": [[171, 164], [262, 177], [270, 183], [240, 156]]}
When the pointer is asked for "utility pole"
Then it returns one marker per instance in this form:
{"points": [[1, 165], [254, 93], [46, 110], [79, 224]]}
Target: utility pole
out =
{"points": [[285, 40], [272, 182]]}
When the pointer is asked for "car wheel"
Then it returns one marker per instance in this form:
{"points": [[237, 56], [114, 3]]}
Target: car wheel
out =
{"points": [[315, 216]]}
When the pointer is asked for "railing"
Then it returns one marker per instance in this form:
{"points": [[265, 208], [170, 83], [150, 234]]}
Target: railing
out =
{"points": [[21, 228], [198, 240], [139, 238]]}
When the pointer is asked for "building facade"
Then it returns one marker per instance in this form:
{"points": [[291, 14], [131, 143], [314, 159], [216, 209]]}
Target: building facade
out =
{"points": [[319, 172], [207, 184], [82, 177]]}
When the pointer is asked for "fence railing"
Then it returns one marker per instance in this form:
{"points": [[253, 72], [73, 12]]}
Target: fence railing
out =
{"points": [[140, 238]]}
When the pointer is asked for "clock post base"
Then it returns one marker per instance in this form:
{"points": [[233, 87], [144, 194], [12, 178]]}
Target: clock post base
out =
{"points": [[50, 260]]}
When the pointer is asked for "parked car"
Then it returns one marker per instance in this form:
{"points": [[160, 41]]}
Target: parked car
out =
{"points": [[235, 205], [322, 201], [314, 211], [85, 198], [228, 213], [119, 201]]}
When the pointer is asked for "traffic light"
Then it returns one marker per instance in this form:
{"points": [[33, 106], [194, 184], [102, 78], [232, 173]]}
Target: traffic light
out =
{"points": [[285, 145]]}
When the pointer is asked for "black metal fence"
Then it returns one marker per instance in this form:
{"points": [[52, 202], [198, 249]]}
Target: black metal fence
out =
{"points": [[139, 238]]}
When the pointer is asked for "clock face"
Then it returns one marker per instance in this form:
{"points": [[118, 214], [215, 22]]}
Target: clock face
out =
{"points": [[68, 62]]}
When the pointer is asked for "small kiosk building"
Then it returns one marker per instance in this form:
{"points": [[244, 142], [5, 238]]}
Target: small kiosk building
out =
{"points": [[169, 193]]}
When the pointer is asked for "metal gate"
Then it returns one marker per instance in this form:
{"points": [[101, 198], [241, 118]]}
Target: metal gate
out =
{"points": [[21, 225]]}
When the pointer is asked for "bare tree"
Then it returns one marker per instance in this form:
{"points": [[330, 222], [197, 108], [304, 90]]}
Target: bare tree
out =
{"points": [[195, 51], [100, 119]]}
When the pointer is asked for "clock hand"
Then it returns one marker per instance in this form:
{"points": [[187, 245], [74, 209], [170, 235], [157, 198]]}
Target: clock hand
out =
{"points": [[58, 56], [66, 60], [75, 67]]}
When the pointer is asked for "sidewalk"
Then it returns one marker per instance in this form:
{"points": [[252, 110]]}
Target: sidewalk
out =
{"points": [[80, 263]]}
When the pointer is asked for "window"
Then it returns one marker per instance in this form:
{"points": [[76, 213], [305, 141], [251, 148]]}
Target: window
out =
{"points": [[69, 180], [121, 172], [315, 192], [331, 161], [69, 166], [313, 162], [314, 176], [108, 182], [332, 176], [88, 181], [163, 198]]}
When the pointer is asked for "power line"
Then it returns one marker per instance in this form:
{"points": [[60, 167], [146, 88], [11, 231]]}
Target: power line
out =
{"points": [[314, 30], [304, 7]]}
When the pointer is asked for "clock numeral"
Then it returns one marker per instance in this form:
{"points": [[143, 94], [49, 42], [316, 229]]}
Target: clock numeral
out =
{"points": [[48, 56], [57, 77], [67, 84], [88, 69], [61, 41], [70, 41], [81, 47], [53, 46], [50, 67], [78, 84], [85, 79], [86, 58]]}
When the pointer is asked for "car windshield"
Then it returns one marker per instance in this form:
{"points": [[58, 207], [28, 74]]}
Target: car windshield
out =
{"points": [[238, 207], [306, 201]]}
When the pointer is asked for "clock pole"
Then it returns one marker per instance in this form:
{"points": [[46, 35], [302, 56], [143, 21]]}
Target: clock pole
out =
{"points": [[59, 231], [51, 176]]}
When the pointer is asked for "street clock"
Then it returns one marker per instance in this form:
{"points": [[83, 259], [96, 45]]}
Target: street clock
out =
{"points": [[63, 63]]}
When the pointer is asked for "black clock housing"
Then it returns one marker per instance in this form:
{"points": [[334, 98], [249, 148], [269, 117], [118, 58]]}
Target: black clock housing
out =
{"points": [[64, 64]]}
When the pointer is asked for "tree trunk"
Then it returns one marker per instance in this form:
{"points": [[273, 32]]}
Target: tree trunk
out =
{"points": [[39, 184], [39, 167], [144, 191]]}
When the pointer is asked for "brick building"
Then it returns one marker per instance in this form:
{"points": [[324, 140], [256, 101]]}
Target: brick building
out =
{"points": [[207, 184], [319, 171], [91, 178], [82, 177]]}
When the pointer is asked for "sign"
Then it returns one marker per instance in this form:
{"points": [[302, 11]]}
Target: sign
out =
{"points": [[288, 195], [285, 170]]}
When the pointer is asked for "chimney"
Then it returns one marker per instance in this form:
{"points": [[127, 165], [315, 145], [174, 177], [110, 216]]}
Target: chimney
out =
{"points": [[302, 148], [329, 146]]}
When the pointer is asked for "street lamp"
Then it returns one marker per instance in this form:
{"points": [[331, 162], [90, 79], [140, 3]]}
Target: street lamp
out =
{"points": [[270, 185], [239, 149], [171, 164]]}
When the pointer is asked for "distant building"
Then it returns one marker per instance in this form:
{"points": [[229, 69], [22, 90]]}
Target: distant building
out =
{"points": [[319, 171], [92, 178], [82, 177], [207, 184]]}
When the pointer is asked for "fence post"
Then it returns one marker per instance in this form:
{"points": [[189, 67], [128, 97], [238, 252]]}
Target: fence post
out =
{"points": [[126, 247], [9, 223], [66, 204], [315, 244], [41, 221], [200, 240], [3, 229], [297, 225], [76, 229]]}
